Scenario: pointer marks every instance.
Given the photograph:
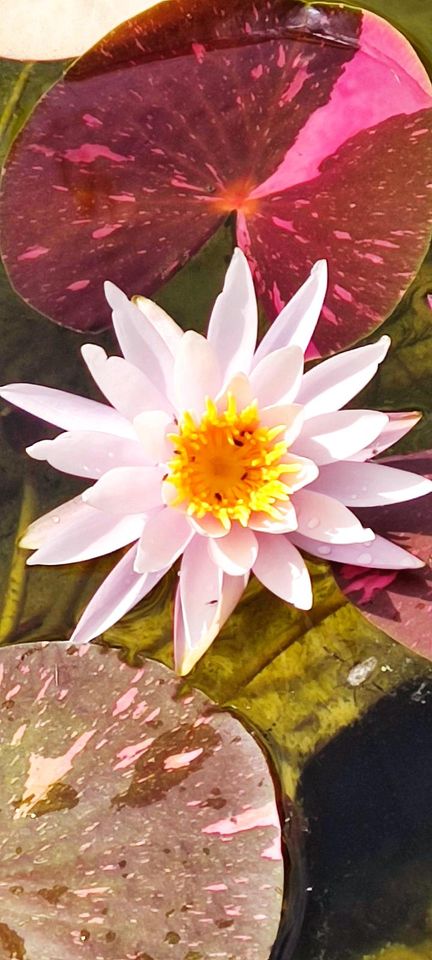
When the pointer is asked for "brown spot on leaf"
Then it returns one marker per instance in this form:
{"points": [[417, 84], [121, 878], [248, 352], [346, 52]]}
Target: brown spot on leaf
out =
{"points": [[172, 937], [53, 894], [12, 944]]}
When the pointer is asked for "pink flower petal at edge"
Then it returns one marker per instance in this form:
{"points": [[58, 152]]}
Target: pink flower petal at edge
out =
{"points": [[296, 322], [233, 325], [122, 589], [277, 378], [236, 553], [399, 424], [200, 613], [49, 525], [91, 534], [126, 387], [164, 537], [88, 454], [323, 518], [125, 490], [140, 342], [338, 435], [196, 373], [162, 322], [333, 383], [380, 553], [66, 410], [281, 568], [370, 484]]}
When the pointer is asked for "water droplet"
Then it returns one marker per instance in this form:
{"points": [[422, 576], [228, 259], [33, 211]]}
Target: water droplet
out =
{"points": [[324, 550], [313, 523], [353, 496], [56, 519], [364, 489], [110, 454], [85, 467], [364, 558]]}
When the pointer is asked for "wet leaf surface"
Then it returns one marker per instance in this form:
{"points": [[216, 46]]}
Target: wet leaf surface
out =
{"points": [[266, 110], [136, 819], [400, 604]]}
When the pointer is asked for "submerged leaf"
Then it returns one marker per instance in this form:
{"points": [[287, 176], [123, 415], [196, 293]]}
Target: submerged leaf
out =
{"points": [[134, 817], [195, 110]]}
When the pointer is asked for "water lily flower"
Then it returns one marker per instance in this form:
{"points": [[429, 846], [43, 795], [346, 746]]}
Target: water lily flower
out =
{"points": [[221, 452]]}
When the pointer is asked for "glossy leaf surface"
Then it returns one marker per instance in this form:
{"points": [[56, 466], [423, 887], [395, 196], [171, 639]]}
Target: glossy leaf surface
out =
{"points": [[136, 820], [312, 123]]}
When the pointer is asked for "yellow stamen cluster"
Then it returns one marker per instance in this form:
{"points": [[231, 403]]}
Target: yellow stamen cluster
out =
{"points": [[229, 465]]}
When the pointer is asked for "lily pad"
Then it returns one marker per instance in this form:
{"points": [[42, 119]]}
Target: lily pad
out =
{"points": [[137, 820], [398, 603], [194, 110]]}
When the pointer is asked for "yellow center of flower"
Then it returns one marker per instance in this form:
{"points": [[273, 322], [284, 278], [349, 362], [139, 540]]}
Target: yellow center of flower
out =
{"points": [[229, 465]]}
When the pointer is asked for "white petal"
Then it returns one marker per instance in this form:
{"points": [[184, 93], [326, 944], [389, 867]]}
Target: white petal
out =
{"points": [[338, 435], [66, 410], [209, 526], [281, 568], [91, 534], [152, 427], [120, 591], [334, 382], [277, 378], [380, 553], [88, 454], [164, 537], [126, 387], [233, 323], [140, 342], [240, 388], [297, 321], [370, 484], [306, 471], [162, 322], [288, 414], [398, 425], [49, 525], [205, 599], [265, 524], [323, 518], [196, 373], [126, 490], [236, 553]]}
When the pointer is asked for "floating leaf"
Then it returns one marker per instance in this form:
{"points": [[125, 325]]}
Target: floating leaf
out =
{"points": [[399, 603], [136, 820], [196, 109]]}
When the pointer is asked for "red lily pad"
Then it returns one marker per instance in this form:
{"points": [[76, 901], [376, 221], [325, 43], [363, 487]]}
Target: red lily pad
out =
{"points": [[312, 122], [398, 603], [136, 821]]}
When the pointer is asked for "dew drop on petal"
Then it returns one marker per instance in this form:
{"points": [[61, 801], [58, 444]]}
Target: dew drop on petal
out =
{"points": [[313, 523], [56, 519], [364, 558], [324, 550]]}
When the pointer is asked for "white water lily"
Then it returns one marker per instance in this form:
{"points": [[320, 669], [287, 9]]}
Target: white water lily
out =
{"points": [[220, 452]]}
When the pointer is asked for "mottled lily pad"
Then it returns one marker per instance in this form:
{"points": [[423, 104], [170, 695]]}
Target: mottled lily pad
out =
{"points": [[311, 122], [136, 820], [399, 603]]}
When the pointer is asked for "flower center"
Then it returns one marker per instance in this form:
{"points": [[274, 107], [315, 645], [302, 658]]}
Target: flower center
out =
{"points": [[229, 465]]}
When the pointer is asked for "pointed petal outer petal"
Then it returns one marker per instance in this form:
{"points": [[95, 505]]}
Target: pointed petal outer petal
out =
{"points": [[398, 425], [233, 324], [332, 383], [91, 534], [140, 342], [125, 490], [236, 553], [277, 378], [263, 523], [323, 518], [196, 373], [370, 484], [128, 389], [205, 599], [288, 414], [335, 436], [208, 526], [162, 322], [281, 568], [120, 591], [50, 524], [151, 427], [88, 454], [297, 321], [66, 410], [381, 553], [164, 537]]}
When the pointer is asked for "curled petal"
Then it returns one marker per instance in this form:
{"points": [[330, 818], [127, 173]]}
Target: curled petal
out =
{"points": [[277, 378], [66, 410], [281, 568], [370, 484], [334, 382], [121, 590], [338, 435], [161, 321], [380, 553], [236, 553], [126, 490], [296, 323], [128, 389], [140, 342], [164, 537], [322, 518], [88, 454], [233, 323]]}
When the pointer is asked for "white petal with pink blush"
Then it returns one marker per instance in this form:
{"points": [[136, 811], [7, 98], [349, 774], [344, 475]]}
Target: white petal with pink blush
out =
{"points": [[220, 456]]}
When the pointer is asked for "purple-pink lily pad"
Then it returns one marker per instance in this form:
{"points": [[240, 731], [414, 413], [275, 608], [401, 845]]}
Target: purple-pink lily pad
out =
{"points": [[313, 123], [399, 603], [136, 821]]}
